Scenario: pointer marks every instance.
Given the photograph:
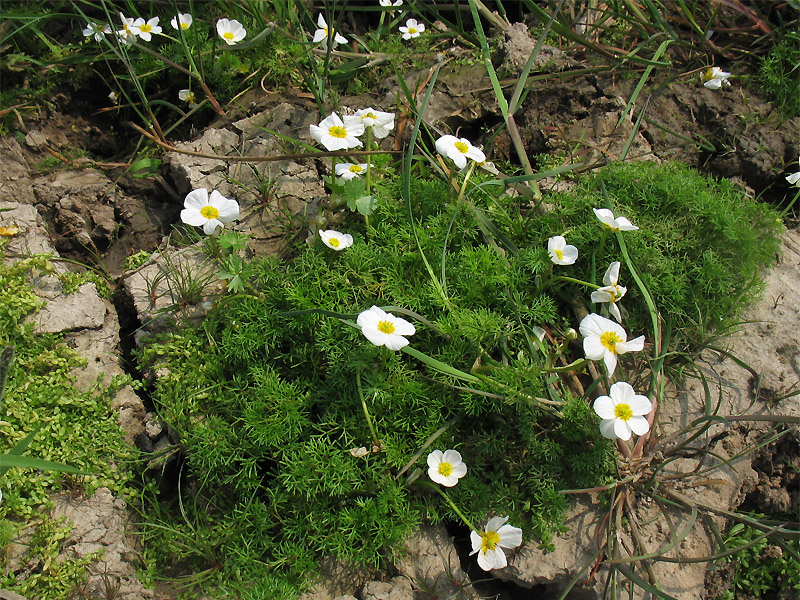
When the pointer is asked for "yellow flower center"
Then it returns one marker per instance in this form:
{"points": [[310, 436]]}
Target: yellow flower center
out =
{"points": [[370, 116], [209, 212], [228, 35], [490, 539], [190, 100], [412, 30], [445, 469], [145, 28], [184, 25], [126, 29], [623, 411], [337, 131], [708, 75], [610, 339], [559, 254], [461, 147], [355, 169], [334, 242], [326, 32], [385, 326]]}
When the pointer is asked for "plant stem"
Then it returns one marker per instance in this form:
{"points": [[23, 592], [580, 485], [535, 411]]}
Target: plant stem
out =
{"points": [[454, 507], [376, 442]]}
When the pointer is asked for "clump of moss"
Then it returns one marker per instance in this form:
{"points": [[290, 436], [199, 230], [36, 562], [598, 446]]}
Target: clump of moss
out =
{"points": [[780, 76]]}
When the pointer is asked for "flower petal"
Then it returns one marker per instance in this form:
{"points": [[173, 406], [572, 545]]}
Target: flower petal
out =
{"points": [[476, 540], [640, 405], [435, 459], [452, 456], [638, 425], [604, 407], [395, 342], [510, 536], [196, 199], [192, 216], [495, 523], [611, 362], [593, 348], [607, 429], [612, 274], [634, 345], [622, 430]]}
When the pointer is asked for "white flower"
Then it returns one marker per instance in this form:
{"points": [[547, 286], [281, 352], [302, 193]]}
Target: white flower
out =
{"points": [[384, 329], [127, 35], [231, 31], [381, 122], [182, 21], [610, 292], [210, 213], [618, 224], [604, 339], [323, 34], [459, 150], [623, 412], [347, 171], [412, 29], [335, 135], [388, 3], [714, 77], [98, 30], [188, 96], [446, 468], [335, 240], [560, 252], [489, 543], [793, 178], [145, 30]]}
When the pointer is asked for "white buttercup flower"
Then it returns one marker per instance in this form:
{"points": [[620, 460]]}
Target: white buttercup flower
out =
{"points": [[208, 213], [324, 33], [381, 122], [603, 339], [560, 252], [146, 29], [127, 35], [459, 150], [623, 412], [446, 468], [608, 220], [384, 329], [98, 30], [182, 21], [347, 171], [412, 29], [187, 95], [490, 542], [611, 292], [335, 240], [335, 135], [714, 77], [231, 31], [793, 178]]}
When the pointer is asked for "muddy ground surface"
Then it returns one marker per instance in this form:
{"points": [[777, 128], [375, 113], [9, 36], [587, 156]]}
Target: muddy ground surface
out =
{"points": [[93, 212]]}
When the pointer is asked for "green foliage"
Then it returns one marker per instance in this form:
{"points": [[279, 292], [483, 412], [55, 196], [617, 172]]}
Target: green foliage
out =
{"points": [[699, 250], [72, 427], [780, 75], [762, 568]]}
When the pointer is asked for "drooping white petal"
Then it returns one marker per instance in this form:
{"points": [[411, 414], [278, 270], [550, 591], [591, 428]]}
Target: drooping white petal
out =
{"points": [[611, 362], [634, 345], [210, 226], [612, 274], [614, 310], [510, 536]]}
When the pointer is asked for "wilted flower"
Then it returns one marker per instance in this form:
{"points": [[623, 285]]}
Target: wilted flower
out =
{"points": [[384, 329], [412, 29], [231, 31], [127, 35], [323, 34], [335, 240], [793, 178], [335, 135], [459, 150], [560, 252], [348, 171], [446, 468], [618, 224], [98, 30], [188, 96], [610, 292], [145, 30], [489, 543], [605, 339], [381, 122], [210, 213], [182, 21], [623, 412], [714, 77]]}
